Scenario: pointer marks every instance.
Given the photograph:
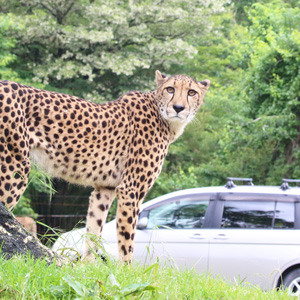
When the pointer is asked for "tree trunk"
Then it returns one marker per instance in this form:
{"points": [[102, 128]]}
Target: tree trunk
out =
{"points": [[15, 240]]}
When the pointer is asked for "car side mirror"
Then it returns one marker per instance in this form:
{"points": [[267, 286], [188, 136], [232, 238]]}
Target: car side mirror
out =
{"points": [[142, 223]]}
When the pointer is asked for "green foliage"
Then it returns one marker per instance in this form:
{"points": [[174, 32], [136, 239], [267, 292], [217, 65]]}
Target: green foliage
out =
{"points": [[249, 123], [240, 9], [111, 289], [100, 49], [263, 142], [7, 45], [23, 208], [38, 182], [175, 181]]}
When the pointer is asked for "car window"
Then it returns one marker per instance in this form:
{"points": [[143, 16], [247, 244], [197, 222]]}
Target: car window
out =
{"points": [[178, 215], [284, 215], [258, 214]]}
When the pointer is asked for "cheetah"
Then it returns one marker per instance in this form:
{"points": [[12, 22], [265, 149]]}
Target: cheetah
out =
{"points": [[117, 147]]}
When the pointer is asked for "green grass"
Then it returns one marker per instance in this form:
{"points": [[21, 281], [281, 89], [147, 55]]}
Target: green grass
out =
{"points": [[24, 278]]}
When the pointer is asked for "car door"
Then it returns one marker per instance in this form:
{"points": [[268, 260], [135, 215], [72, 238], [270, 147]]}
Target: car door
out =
{"points": [[174, 233], [256, 240]]}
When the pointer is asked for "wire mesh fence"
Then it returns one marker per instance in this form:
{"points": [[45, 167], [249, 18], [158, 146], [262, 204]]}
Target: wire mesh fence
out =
{"points": [[59, 223], [62, 211], [59, 214]]}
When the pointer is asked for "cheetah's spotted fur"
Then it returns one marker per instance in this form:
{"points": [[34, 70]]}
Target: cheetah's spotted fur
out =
{"points": [[117, 147]]}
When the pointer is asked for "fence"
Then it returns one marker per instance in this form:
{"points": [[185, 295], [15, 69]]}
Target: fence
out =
{"points": [[60, 213], [59, 223]]}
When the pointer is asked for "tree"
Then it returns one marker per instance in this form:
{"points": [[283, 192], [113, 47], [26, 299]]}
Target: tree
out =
{"points": [[100, 49], [7, 44], [249, 123], [263, 141]]}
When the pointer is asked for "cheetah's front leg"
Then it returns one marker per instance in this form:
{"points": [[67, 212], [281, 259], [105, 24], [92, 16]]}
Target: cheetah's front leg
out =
{"points": [[129, 202], [100, 202]]}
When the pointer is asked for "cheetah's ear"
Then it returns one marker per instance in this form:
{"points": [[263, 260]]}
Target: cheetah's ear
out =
{"points": [[204, 84], [159, 78]]}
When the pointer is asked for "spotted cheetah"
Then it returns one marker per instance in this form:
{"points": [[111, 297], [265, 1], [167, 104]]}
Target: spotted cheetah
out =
{"points": [[117, 147]]}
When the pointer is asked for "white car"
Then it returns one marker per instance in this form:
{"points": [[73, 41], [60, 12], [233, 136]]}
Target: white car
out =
{"points": [[242, 233]]}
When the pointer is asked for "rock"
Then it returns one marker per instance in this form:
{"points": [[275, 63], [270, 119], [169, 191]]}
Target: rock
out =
{"points": [[16, 240]]}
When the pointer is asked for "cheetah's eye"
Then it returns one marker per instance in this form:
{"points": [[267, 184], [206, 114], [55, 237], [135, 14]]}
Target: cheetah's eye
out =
{"points": [[192, 93], [170, 90]]}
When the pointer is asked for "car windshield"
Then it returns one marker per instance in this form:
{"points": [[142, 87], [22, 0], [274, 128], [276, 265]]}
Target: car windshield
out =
{"points": [[178, 215]]}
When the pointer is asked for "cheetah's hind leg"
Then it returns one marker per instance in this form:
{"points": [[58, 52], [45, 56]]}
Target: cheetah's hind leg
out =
{"points": [[99, 205], [15, 169]]}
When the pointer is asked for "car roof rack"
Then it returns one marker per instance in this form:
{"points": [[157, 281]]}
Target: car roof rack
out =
{"points": [[230, 184], [285, 183]]}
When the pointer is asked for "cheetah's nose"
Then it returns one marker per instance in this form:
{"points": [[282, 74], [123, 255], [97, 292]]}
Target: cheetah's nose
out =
{"points": [[178, 108]]}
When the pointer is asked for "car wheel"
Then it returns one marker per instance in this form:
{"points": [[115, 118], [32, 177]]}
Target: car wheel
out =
{"points": [[291, 281]]}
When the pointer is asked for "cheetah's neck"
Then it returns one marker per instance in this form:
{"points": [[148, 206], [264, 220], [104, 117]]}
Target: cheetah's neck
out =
{"points": [[176, 130]]}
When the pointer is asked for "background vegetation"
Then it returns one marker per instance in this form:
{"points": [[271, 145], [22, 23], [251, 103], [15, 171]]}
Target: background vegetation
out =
{"points": [[249, 123]]}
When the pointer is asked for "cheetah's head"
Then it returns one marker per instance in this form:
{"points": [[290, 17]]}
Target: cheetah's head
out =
{"points": [[179, 97]]}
